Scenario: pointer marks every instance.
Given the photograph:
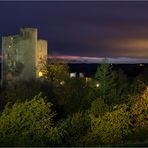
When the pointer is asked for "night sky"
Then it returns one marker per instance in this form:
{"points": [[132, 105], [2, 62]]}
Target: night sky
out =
{"points": [[92, 29]]}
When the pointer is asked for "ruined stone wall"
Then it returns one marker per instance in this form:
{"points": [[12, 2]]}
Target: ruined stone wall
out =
{"points": [[41, 56], [28, 46], [9, 55], [19, 55]]}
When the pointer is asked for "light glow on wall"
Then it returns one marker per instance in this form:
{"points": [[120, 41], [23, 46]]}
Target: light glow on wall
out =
{"points": [[40, 74]]}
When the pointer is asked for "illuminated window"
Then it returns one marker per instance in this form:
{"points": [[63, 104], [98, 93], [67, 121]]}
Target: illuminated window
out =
{"points": [[72, 75]]}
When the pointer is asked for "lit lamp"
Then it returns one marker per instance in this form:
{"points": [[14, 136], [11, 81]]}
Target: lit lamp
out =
{"points": [[97, 85], [40, 74], [62, 83], [140, 65]]}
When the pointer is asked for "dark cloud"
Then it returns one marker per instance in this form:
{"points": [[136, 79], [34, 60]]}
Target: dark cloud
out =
{"points": [[98, 28]]}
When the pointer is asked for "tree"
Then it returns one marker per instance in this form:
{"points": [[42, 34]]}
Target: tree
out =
{"points": [[139, 109], [143, 76], [28, 124], [139, 117], [72, 96], [104, 76], [75, 127], [120, 92], [20, 91], [98, 108], [112, 128], [56, 72]]}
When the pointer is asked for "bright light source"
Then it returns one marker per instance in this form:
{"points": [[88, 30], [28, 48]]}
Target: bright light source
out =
{"points": [[62, 83], [97, 85], [81, 75], [40, 74], [87, 79], [72, 75], [140, 65]]}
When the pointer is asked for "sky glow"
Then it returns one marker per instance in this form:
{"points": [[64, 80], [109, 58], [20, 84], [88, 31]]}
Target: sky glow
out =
{"points": [[86, 29]]}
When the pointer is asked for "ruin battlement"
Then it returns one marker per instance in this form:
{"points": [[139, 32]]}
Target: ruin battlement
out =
{"points": [[22, 54]]}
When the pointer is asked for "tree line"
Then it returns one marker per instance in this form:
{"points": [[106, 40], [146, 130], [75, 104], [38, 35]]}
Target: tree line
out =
{"points": [[109, 109]]}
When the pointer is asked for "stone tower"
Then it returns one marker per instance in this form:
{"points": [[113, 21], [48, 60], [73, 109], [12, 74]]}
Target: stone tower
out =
{"points": [[21, 55], [41, 57]]}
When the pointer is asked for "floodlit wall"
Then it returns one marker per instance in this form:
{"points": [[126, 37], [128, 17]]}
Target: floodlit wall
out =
{"points": [[41, 57], [20, 55]]}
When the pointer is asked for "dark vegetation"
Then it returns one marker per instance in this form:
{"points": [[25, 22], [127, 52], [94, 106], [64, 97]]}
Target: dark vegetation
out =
{"points": [[57, 110]]}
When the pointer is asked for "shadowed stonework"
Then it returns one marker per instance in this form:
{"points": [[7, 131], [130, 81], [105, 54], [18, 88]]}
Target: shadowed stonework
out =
{"points": [[23, 56]]}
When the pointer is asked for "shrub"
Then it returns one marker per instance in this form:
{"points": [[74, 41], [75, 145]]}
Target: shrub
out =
{"points": [[98, 108], [28, 124], [75, 127], [139, 110], [113, 127]]}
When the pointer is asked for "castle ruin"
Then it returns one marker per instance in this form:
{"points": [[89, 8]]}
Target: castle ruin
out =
{"points": [[23, 56]]}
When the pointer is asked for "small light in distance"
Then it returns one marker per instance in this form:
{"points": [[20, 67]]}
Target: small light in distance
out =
{"points": [[73, 75], [62, 83], [97, 85], [140, 65]]}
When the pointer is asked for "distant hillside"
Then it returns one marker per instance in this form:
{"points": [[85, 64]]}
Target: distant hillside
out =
{"points": [[95, 60], [120, 60]]}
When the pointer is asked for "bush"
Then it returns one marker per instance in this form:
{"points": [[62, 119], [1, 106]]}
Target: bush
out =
{"points": [[98, 108], [139, 136], [113, 127], [20, 90], [75, 127], [72, 96], [139, 118], [28, 124], [139, 110]]}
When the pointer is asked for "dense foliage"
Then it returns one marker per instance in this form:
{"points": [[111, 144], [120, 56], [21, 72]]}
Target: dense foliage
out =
{"points": [[28, 124], [57, 110]]}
